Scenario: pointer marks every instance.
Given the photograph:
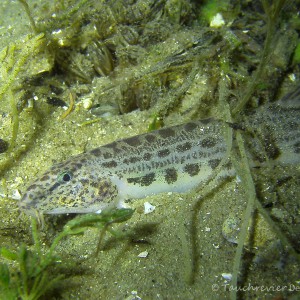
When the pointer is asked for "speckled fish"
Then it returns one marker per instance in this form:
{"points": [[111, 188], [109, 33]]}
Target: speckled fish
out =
{"points": [[170, 159], [174, 159]]}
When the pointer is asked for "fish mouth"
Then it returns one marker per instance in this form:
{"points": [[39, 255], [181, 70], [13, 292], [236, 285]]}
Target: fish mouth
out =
{"points": [[28, 205]]}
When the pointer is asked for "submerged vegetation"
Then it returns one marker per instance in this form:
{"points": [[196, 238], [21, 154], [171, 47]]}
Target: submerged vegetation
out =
{"points": [[13, 58], [110, 58], [35, 275]]}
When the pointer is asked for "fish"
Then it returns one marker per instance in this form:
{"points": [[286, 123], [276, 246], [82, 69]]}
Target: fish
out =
{"points": [[174, 159], [171, 159]]}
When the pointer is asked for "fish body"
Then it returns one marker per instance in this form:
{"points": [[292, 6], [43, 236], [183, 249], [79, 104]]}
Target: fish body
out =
{"points": [[170, 159], [276, 131], [177, 159]]}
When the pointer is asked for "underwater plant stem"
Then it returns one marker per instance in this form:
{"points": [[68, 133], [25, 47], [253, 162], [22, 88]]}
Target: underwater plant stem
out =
{"points": [[31, 20], [35, 236], [248, 185], [272, 14], [203, 191], [258, 74], [101, 237], [71, 106], [90, 122], [55, 242], [24, 276], [39, 286]]}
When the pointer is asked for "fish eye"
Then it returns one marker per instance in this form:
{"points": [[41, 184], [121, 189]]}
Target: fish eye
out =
{"points": [[64, 177]]}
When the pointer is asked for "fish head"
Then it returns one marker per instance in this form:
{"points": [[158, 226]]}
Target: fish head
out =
{"points": [[68, 187]]}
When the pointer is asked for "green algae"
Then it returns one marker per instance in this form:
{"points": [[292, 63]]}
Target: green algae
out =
{"points": [[34, 276], [13, 59]]}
